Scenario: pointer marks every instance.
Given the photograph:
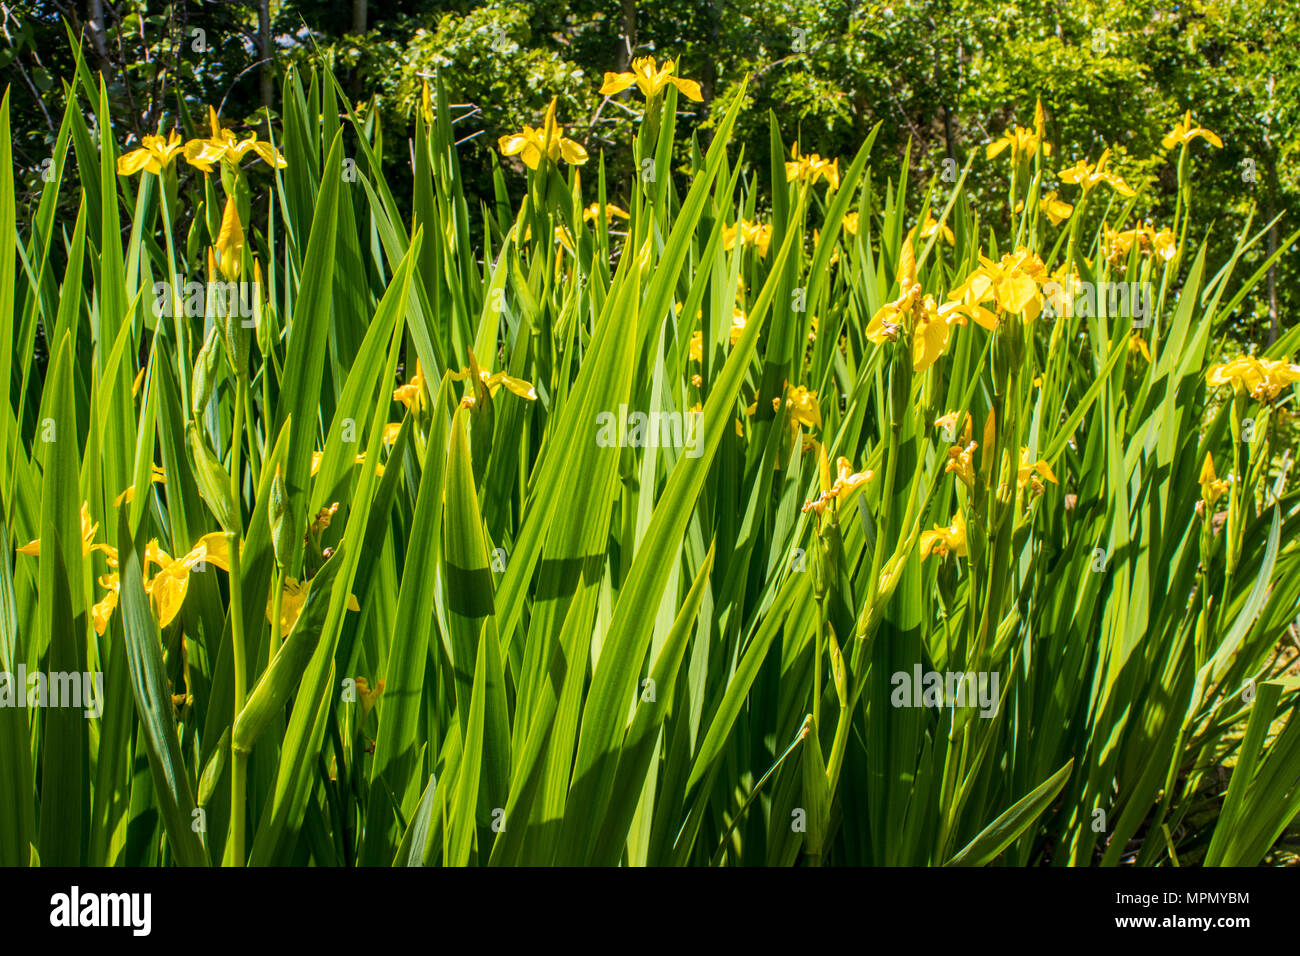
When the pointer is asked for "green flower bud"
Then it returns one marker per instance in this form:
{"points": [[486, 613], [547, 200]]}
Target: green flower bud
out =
{"points": [[205, 372], [213, 480], [277, 514], [238, 340]]}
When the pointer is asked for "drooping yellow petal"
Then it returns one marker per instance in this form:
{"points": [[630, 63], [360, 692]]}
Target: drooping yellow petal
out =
{"points": [[572, 152], [1056, 210], [212, 549], [168, 590], [102, 612], [519, 387], [128, 164], [616, 83], [268, 154], [688, 88], [513, 143], [1028, 472], [929, 342]]}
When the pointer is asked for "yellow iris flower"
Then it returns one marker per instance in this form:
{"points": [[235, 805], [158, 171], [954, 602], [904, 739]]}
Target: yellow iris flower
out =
{"points": [[811, 168], [1012, 283], [931, 325], [410, 394], [1116, 245], [497, 380], [610, 212], [1056, 210], [1262, 379], [737, 329], [223, 147], [1061, 292], [1021, 141], [390, 436], [154, 155], [961, 455], [171, 582], [1088, 176], [803, 406], [651, 79], [1029, 473], [845, 481], [748, 233], [948, 421], [1184, 132], [367, 697], [889, 319], [960, 463], [932, 226], [1163, 244], [545, 142], [944, 541]]}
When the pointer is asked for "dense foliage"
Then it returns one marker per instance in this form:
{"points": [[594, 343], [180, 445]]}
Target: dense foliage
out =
{"points": [[721, 496]]}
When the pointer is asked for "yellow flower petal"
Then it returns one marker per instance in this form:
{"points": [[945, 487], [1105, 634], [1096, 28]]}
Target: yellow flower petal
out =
{"points": [[131, 163], [616, 83], [688, 88], [230, 241]]}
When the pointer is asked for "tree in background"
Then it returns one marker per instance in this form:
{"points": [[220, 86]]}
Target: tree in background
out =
{"points": [[943, 77]]}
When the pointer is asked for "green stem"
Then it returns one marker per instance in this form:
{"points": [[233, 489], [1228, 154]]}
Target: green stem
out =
{"points": [[277, 594], [839, 745], [255, 451], [819, 650], [239, 762]]}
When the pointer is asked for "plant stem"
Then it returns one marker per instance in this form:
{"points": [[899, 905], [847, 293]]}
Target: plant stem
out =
{"points": [[239, 759], [277, 595]]}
